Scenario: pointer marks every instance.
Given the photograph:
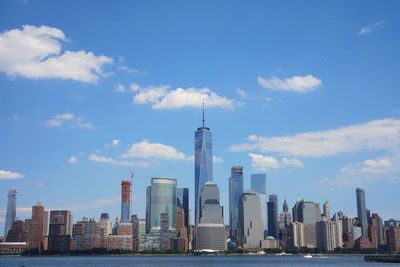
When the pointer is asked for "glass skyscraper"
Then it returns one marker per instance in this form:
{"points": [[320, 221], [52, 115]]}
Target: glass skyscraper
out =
{"points": [[11, 211], [203, 163], [362, 211], [182, 201], [235, 191], [162, 199], [258, 184], [273, 216]]}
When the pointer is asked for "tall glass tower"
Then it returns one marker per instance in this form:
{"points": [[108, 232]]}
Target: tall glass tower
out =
{"points": [[362, 212], [203, 163], [258, 184], [235, 191], [11, 210]]}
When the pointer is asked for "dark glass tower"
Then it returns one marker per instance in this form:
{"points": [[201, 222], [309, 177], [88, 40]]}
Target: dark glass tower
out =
{"points": [[273, 216], [203, 163], [362, 212], [182, 201], [235, 191]]}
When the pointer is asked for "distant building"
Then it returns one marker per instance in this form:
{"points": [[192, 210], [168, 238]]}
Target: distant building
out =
{"points": [[327, 210], [362, 212], [60, 231], [11, 211], [269, 243], [125, 200], [162, 199], [285, 219], [235, 191], [258, 184], [392, 222], [296, 235], [376, 231], [362, 243], [327, 234], [393, 239], [135, 232], [308, 213], [16, 233], [182, 201], [250, 223], [273, 229], [210, 231], [37, 227], [203, 164]]}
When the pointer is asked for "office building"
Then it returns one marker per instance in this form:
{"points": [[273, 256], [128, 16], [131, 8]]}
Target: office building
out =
{"points": [[376, 231], [182, 201], [210, 231], [327, 233], [308, 213], [11, 211], [235, 191], [162, 199], [327, 210], [60, 231], [362, 212], [296, 235], [250, 230], [258, 184], [37, 227], [203, 163], [393, 239], [272, 206], [126, 200]]}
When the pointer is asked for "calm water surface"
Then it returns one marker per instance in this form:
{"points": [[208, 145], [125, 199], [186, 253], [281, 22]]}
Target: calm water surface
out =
{"points": [[160, 261]]}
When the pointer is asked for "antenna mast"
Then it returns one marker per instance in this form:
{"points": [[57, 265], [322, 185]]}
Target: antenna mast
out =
{"points": [[203, 114]]}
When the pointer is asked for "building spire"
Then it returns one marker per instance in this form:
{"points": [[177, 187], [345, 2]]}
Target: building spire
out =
{"points": [[203, 114]]}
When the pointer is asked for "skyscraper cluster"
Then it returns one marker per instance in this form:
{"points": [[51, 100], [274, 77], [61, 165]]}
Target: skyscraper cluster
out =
{"points": [[255, 221]]}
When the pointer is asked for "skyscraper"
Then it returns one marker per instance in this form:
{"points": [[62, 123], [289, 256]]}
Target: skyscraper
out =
{"points": [[250, 232], [60, 231], [235, 191], [210, 231], [327, 210], [37, 226], [182, 201], [203, 163], [362, 212], [308, 213], [11, 211], [272, 204], [258, 184], [125, 200], [162, 200]]}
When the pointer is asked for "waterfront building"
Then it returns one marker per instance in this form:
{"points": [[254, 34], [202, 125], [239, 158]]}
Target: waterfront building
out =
{"points": [[60, 231], [285, 218], [327, 235], [126, 200], [210, 231], [162, 199], [308, 213], [250, 230], [203, 163], [11, 211], [393, 239], [16, 233], [37, 227], [235, 191], [392, 222], [182, 201], [296, 235], [258, 184], [135, 232], [376, 231], [272, 205], [362, 212]]}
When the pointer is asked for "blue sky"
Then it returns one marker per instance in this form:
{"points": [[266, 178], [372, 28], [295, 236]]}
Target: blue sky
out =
{"points": [[306, 92]]}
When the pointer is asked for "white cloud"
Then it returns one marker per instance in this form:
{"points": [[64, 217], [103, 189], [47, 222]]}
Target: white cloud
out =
{"points": [[241, 93], [60, 119], [120, 88], [300, 84], [128, 70], [36, 53], [96, 203], [371, 28], [8, 175], [109, 160], [162, 97], [145, 149], [264, 163], [374, 135], [386, 168], [217, 159], [134, 87], [114, 142], [73, 160]]}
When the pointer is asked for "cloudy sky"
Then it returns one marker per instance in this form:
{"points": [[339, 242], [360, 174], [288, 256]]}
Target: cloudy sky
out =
{"points": [[306, 92]]}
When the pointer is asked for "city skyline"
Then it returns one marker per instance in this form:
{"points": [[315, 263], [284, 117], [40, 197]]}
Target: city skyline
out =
{"points": [[320, 117]]}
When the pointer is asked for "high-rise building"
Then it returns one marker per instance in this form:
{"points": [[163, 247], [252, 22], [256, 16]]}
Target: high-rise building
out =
{"points": [[308, 213], [210, 231], [258, 184], [203, 163], [16, 233], [362, 212], [296, 235], [11, 211], [162, 199], [327, 235], [60, 231], [182, 201], [235, 191], [376, 231], [37, 227], [125, 200], [272, 205], [393, 239], [285, 219], [250, 230], [327, 210]]}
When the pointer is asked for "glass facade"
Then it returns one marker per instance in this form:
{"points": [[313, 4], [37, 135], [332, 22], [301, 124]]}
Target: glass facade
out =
{"points": [[203, 163], [182, 201], [235, 191], [273, 216], [258, 184], [362, 212], [162, 200], [11, 211]]}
